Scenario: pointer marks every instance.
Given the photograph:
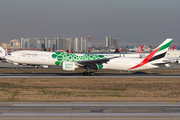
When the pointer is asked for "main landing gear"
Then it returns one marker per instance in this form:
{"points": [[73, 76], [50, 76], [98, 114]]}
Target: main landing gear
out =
{"points": [[88, 69], [88, 73]]}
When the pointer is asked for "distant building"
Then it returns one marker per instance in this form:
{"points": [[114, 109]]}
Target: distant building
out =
{"points": [[68, 43], [80, 44], [108, 40], [32, 43], [15, 43], [61, 43], [52, 43], [115, 43], [25, 43], [76, 44], [40, 43], [5, 45], [83, 44], [107, 43]]}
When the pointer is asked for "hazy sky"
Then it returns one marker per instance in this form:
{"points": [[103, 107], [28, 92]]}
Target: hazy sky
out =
{"points": [[144, 21]]}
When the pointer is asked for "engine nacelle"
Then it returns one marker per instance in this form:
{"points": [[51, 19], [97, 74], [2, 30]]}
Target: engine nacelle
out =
{"points": [[69, 66]]}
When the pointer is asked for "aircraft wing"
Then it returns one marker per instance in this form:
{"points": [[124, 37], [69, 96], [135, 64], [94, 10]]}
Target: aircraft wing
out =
{"points": [[98, 61]]}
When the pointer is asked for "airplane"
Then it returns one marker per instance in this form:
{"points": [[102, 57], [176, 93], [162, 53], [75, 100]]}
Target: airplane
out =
{"points": [[136, 49], [72, 61]]}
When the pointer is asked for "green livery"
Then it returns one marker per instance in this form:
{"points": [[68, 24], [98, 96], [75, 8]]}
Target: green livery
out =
{"points": [[63, 57]]}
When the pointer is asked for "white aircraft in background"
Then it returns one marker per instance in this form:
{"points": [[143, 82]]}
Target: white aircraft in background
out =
{"points": [[72, 61], [136, 49]]}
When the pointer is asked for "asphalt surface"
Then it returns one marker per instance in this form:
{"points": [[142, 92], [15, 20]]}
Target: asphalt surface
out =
{"points": [[89, 110], [80, 75]]}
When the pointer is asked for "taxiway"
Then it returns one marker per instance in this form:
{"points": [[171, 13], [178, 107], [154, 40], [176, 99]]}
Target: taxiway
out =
{"points": [[79, 75], [89, 110]]}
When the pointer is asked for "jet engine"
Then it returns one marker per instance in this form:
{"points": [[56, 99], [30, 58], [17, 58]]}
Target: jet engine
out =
{"points": [[69, 66]]}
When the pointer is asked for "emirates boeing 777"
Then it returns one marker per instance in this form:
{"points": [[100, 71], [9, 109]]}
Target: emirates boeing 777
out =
{"points": [[72, 61]]}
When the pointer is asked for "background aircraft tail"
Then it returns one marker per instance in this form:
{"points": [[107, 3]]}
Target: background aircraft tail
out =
{"points": [[3, 53], [120, 49], [140, 49], [173, 48]]}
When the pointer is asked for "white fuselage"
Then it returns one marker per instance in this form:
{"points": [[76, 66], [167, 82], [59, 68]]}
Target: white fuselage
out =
{"points": [[31, 57], [45, 58], [124, 63]]}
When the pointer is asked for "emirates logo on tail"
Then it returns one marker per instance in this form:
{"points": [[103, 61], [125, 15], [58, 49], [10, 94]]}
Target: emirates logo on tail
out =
{"points": [[158, 53]]}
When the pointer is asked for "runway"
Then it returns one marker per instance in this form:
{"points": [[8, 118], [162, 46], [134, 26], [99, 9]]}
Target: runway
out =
{"points": [[79, 75], [90, 110]]}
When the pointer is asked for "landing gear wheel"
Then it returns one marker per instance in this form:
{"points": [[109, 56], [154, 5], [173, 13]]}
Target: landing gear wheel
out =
{"points": [[91, 73], [88, 73], [17, 68], [84, 73]]}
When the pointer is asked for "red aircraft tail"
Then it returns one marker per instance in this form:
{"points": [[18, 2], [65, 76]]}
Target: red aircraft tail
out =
{"points": [[120, 49], [173, 48], [140, 49]]}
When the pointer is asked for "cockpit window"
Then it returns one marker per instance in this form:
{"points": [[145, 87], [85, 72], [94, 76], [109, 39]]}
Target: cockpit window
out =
{"points": [[9, 54]]}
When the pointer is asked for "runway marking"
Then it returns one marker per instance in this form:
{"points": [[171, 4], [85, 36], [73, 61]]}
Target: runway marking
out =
{"points": [[36, 108], [90, 114], [91, 118], [90, 77], [76, 105]]}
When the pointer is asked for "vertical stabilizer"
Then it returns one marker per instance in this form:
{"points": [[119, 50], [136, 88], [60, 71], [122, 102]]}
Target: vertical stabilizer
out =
{"points": [[158, 53], [140, 49]]}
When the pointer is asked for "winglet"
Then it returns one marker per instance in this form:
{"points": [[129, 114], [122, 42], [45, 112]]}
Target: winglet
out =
{"points": [[158, 53]]}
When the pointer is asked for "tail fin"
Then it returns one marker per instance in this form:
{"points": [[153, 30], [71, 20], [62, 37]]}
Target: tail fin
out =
{"points": [[158, 53], [120, 49], [140, 49], [3, 53], [173, 48]]}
